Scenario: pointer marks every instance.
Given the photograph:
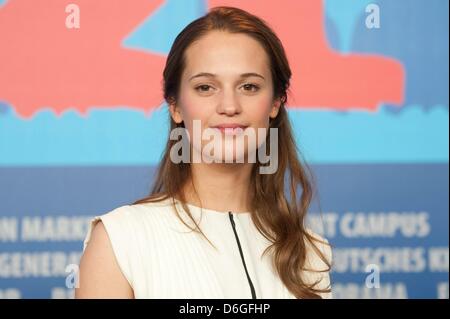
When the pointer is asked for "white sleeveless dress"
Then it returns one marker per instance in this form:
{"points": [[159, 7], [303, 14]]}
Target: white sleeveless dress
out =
{"points": [[161, 258]]}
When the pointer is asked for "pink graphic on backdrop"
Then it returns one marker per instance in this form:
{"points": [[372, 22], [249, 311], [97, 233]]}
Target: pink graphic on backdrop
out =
{"points": [[321, 76], [45, 64]]}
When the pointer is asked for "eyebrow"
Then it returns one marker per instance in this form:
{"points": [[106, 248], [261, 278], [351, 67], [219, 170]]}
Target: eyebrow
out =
{"points": [[211, 75]]}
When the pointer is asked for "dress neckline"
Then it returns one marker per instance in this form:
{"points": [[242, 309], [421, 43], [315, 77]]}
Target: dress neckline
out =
{"points": [[212, 212]]}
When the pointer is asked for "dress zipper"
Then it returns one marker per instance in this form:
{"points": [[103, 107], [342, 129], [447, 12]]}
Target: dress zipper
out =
{"points": [[230, 215]]}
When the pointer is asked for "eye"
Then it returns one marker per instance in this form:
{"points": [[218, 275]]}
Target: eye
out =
{"points": [[203, 88], [250, 87]]}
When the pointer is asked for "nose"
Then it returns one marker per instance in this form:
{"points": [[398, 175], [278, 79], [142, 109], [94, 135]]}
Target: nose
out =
{"points": [[228, 103]]}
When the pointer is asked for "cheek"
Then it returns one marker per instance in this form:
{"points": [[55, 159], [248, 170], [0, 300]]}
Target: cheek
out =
{"points": [[258, 111], [195, 108]]}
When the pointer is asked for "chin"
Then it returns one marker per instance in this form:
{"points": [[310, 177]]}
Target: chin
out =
{"points": [[236, 156]]}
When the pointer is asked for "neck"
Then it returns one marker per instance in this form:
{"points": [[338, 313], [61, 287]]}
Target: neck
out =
{"points": [[221, 187]]}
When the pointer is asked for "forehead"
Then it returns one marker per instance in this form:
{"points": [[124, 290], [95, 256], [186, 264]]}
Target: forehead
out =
{"points": [[226, 54]]}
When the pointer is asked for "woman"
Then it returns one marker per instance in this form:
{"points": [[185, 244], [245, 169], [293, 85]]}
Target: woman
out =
{"points": [[214, 228]]}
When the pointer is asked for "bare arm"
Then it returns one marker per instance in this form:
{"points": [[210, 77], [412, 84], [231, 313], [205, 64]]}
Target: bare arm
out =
{"points": [[100, 275]]}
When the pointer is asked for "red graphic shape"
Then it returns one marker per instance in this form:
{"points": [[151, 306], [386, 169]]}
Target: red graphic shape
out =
{"points": [[323, 78], [44, 64]]}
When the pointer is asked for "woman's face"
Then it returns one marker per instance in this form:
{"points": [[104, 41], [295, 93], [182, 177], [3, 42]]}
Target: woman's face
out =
{"points": [[226, 81]]}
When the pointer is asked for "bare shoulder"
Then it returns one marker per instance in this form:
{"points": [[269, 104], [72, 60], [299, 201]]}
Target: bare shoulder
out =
{"points": [[100, 275]]}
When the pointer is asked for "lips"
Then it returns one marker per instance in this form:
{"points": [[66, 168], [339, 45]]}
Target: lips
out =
{"points": [[231, 125], [231, 128]]}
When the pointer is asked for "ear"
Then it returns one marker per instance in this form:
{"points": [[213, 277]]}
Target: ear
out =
{"points": [[175, 113], [275, 108]]}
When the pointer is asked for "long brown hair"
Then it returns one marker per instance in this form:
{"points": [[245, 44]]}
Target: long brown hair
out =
{"points": [[278, 217]]}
